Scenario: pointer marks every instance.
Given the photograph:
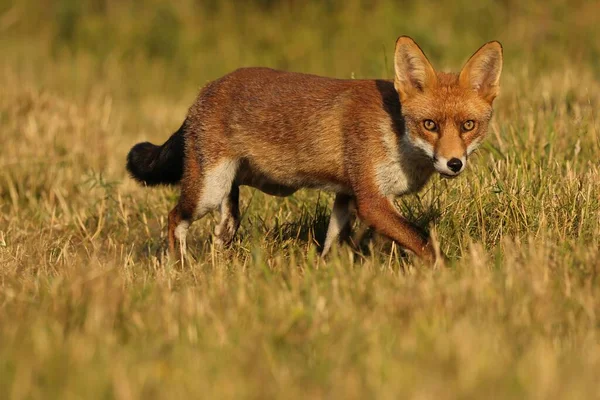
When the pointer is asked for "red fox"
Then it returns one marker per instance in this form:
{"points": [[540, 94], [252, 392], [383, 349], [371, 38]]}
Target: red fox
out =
{"points": [[365, 140]]}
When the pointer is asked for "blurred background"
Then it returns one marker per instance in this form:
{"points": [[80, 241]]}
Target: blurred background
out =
{"points": [[133, 47]]}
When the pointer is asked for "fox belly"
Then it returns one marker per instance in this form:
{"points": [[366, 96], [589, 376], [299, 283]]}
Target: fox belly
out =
{"points": [[285, 181]]}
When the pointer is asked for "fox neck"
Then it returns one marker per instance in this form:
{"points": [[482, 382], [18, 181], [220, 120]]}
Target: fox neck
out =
{"points": [[405, 168], [415, 163]]}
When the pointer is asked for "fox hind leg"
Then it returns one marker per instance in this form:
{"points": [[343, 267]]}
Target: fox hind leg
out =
{"points": [[339, 222], [180, 219], [198, 200]]}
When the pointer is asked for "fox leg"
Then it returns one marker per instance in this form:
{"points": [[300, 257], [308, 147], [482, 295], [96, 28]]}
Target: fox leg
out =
{"points": [[230, 217], [379, 212], [339, 221], [178, 226], [199, 198]]}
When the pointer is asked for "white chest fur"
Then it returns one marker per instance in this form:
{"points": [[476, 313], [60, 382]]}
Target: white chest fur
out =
{"points": [[405, 168]]}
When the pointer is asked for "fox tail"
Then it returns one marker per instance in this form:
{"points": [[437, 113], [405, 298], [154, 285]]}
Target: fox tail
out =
{"points": [[153, 165]]}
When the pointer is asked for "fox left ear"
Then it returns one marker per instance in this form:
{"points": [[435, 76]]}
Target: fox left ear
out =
{"points": [[413, 71], [482, 71]]}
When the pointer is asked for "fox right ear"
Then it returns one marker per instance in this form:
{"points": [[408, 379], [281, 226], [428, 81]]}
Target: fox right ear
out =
{"points": [[413, 70]]}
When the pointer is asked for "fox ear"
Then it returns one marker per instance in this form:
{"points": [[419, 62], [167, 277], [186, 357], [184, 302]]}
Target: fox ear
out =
{"points": [[482, 71], [413, 70]]}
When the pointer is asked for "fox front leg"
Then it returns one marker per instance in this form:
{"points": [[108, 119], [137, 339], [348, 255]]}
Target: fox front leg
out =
{"points": [[379, 212]]}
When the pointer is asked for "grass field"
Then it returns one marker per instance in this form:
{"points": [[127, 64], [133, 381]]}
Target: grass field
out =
{"points": [[90, 308]]}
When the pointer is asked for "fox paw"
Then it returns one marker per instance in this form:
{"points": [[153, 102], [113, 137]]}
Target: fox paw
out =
{"points": [[225, 232]]}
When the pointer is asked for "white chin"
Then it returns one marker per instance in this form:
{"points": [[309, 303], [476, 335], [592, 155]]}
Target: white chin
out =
{"points": [[448, 176]]}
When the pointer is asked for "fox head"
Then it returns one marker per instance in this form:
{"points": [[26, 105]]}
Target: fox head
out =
{"points": [[446, 115]]}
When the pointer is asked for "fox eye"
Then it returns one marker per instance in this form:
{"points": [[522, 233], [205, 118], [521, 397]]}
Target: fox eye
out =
{"points": [[430, 125], [468, 125]]}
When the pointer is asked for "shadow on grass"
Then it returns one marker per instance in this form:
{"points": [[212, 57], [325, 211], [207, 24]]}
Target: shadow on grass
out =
{"points": [[311, 227]]}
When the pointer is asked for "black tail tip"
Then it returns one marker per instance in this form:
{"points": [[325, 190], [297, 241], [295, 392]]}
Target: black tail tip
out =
{"points": [[153, 165], [140, 160]]}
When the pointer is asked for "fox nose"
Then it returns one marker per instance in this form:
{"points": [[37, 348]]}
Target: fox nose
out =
{"points": [[455, 164]]}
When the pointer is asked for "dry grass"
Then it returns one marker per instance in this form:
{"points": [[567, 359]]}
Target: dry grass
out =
{"points": [[90, 308]]}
